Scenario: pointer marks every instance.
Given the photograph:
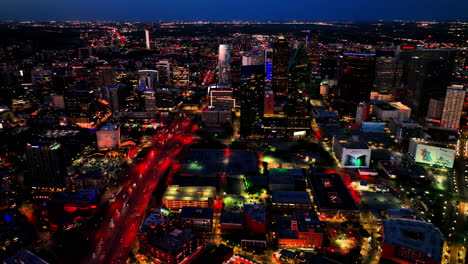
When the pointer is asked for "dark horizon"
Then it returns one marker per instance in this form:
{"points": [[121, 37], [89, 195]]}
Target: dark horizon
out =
{"points": [[242, 10]]}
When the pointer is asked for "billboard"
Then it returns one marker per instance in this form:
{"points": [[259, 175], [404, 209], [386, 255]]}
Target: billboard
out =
{"points": [[434, 155], [355, 158], [373, 127]]}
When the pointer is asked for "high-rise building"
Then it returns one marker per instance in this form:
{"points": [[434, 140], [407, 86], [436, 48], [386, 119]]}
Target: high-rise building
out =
{"points": [[252, 93], [388, 71], [148, 38], [281, 55], [221, 96], [299, 88], [108, 137], [356, 77], [269, 101], [224, 64], [434, 111], [164, 73], [427, 75], [56, 101], [115, 94], [45, 165], [78, 100], [148, 79], [453, 106]]}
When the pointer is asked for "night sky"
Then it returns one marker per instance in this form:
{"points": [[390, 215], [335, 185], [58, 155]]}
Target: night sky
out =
{"points": [[223, 10]]}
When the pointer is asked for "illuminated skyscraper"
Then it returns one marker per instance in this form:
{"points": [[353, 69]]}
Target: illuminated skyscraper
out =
{"points": [[224, 66], [280, 67], [148, 79], [148, 38], [453, 106]]}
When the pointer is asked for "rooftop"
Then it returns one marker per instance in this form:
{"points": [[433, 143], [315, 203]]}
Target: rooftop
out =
{"points": [[174, 241], [24, 257], [331, 193], [255, 212], [291, 197], [418, 235], [109, 128], [189, 193], [196, 212]]}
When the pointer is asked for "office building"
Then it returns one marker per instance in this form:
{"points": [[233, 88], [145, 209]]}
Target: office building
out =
{"points": [[24, 257], [172, 247], [176, 197], [217, 116], [269, 102], [56, 101], [362, 112], [395, 110], [285, 179], [78, 101], [280, 59], [331, 196], [411, 241], [255, 218], [224, 64], [108, 137], [199, 219], [434, 111], [115, 95], [45, 165], [427, 75], [221, 96], [291, 200], [252, 105], [388, 71], [356, 77], [300, 88], [453, 107], [148, 79], [404, 129], [303, 230]]}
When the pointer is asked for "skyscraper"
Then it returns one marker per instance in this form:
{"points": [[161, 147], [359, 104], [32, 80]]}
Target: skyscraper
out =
{"points": [[388, 71], [45, 164], [453, 106], [356, 77], [224, 64], [281, 56], [427, 75], [299, 88], [115, 94], [148, 79], [148, 38], [252, 106]]}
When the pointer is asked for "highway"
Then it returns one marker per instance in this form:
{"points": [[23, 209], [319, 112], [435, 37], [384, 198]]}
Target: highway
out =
{"points": [[114, 239]]}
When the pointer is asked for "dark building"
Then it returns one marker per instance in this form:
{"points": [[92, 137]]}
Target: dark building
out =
{"points": [[252, 106], [281, 57], [428, 74], [45, 165], [300, 86], [173, 247], [356, 77], [115, 94], [78, 100], [388, 71]]}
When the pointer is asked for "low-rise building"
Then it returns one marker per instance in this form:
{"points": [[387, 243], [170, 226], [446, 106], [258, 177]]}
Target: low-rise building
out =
{"points": [[177, 196], [198, 218], [254, 217], [411, 241], [304, 230], [291, 200]]}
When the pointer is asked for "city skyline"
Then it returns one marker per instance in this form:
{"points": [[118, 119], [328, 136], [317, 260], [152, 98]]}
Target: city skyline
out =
{"points": [[211, 10]]}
